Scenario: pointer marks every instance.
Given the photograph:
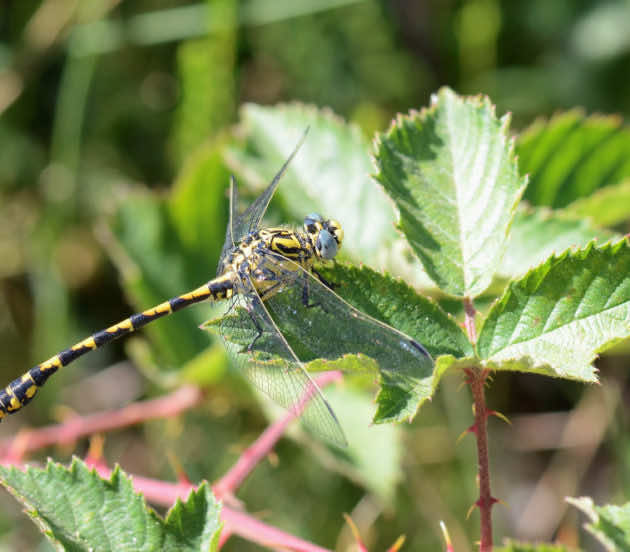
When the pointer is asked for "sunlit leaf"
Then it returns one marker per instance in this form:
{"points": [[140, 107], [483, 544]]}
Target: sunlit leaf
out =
{"points": [[332, 331], [330, 174], [556, 318], [609, 524], [452, 174]]}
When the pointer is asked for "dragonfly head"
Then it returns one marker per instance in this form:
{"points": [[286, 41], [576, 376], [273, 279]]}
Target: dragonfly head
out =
{"points": [[326, 235]]}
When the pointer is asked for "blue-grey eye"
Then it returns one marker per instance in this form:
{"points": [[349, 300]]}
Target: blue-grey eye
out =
{"points": [[326, 245], [312, 219]]}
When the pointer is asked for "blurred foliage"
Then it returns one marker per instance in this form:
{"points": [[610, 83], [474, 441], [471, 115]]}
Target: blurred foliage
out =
{"points": [[104, 104]]}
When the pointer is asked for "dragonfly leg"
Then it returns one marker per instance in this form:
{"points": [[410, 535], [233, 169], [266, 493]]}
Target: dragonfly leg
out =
{"points": [[258, 329], [306, 298], [323, 280]]}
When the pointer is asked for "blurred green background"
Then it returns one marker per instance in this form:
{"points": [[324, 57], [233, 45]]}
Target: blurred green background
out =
{"points": [[118, 132]]}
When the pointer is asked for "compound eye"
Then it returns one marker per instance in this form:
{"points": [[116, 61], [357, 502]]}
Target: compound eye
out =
{"points": [[326, 245], [312, 221]]}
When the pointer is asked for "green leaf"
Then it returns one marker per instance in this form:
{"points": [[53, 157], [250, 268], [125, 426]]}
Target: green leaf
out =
{"points": [[452, 174], [403, 388], [515, 546], [557, 317], [609, 524], [77, 510], [395, 303], [539, 232], [573, 155], [607, 206]]}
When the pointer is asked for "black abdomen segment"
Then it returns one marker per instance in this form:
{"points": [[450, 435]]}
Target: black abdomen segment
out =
{"points": [[22, 390]]}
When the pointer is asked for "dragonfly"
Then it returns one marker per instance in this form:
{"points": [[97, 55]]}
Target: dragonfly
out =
{"points": [[281, 313]]}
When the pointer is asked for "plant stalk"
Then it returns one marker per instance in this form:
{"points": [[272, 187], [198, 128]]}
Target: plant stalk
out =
{"points": [[477, 381]]}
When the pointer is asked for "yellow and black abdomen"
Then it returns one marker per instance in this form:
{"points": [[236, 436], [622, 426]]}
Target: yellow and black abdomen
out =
{"points": [[22, 390]]}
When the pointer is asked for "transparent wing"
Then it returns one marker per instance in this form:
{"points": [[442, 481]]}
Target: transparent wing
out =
{"points": [[229, 233], [320, 324], [249, 221], [272, 366]]}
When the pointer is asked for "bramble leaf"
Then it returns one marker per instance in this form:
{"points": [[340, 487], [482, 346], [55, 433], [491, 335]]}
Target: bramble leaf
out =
{"points": [[77, 510], [609, 524], [556, 318], [330, 337], [452, 174]]}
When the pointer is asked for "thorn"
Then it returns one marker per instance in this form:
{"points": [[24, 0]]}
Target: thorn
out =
{"points": [[470, 510], [397, 544], [498, 415], [94, 456], [471, 429], [502, 502], [355, 533], [18, 447], [447, 537], [178, 468]]}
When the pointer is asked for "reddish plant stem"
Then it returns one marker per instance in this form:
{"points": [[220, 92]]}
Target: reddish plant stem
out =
{"points": [[250, 458], [477, 381], [167, 406], [469, 321]]}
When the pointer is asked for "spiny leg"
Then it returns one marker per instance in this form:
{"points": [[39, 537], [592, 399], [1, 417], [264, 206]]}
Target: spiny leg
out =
{"points": [[306, 296], [256, 324], [323, 280]]}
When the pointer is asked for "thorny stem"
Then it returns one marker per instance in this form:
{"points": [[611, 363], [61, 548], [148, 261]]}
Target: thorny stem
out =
{"points": [[477, 379]]}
